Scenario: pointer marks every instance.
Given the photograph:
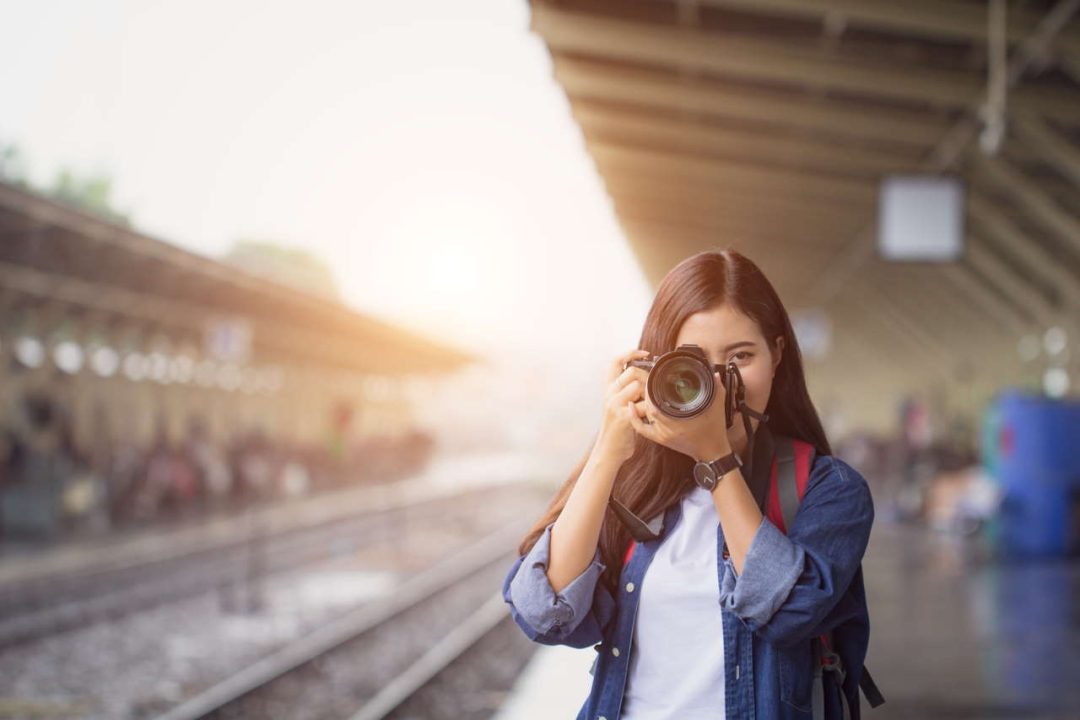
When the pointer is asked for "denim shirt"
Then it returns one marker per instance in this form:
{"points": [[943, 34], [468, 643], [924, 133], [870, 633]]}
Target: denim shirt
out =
{"points": [[792, 588]]}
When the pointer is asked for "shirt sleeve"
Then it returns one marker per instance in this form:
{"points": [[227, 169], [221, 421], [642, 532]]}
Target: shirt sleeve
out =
{"points": [[566, 617], [789, 583]]}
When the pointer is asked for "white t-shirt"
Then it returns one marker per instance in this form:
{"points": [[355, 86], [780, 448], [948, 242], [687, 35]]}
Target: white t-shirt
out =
{"points": [[677, 657]]}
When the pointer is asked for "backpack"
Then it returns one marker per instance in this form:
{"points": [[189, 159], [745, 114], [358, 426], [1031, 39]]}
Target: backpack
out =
{"points": [[787, 484]]}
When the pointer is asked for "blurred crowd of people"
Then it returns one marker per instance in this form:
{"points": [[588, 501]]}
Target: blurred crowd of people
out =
{"points": [[49, 485]]}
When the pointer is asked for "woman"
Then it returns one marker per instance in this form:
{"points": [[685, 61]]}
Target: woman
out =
{"points": [[717, 616]]}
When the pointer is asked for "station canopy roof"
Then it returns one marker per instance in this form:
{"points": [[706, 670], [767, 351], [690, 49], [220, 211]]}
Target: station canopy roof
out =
{"points": [[768, 125], [56, 256]]}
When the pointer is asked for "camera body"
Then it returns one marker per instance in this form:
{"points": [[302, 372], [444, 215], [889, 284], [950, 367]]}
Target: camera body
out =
{"points": [[681, 384]]}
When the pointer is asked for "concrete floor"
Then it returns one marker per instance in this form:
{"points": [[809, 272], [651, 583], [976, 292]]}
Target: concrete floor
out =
{"points": [[955, 633], [958, 633]]}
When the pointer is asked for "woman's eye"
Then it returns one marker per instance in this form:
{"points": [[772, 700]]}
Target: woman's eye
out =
{"points": [[748, 355]]}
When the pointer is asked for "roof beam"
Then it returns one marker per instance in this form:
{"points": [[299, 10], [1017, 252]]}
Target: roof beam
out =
{"points": [[723, 231], [900, 291], [990, 265], [661, 247], [1050, 146], [953, 145], [969, 317], [936, 19], [993, 223], [727, 211], [700, 139], [645, 163], [1044, 210], [878, 308], [692, 198], [974, 285], [971, 337], [774, 61], [585, 80]]}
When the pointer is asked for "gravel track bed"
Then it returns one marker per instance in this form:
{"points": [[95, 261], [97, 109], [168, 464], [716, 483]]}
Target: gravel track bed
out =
{"points": [[138, 665]]}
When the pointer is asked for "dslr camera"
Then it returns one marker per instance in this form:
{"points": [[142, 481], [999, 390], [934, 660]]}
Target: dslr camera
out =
{"points": [[681, 383]]}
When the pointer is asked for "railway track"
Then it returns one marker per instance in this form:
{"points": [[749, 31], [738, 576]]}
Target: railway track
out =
{"points": [[53, 605], [368, 664]]}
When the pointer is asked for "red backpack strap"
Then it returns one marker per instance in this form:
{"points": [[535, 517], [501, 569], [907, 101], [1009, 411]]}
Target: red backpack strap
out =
{"points": [[629, 552], [788, 480]]}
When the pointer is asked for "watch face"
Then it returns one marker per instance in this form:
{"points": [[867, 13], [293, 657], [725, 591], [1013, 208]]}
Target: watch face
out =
{"points": [[705, 475]]}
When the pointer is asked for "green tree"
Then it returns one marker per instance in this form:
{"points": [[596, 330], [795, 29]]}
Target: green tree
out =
{"points": [[293, 266], [12, 165], [92, 193]]}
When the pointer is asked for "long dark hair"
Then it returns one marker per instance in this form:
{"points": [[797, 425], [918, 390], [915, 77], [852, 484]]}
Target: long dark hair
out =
{"points": [[655, 477]]}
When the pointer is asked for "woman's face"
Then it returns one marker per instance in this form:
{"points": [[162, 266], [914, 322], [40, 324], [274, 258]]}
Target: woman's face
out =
{"points": [[727, 335]]}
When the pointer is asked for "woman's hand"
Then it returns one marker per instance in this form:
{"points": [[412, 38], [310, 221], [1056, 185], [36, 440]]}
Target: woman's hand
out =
{"points": [[702, 437], [616, 438]]}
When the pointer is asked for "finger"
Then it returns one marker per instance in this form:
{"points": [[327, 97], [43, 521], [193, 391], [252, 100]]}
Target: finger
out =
{"points": [[628, 394], [641, 409], [630, 373], [619, 362], [639, 426]]}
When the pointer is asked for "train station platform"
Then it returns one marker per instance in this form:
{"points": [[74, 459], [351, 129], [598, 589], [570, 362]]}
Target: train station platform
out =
{"points": [[158, 542], [955, 633]]}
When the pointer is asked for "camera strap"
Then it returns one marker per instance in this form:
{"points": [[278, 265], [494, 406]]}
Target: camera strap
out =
{"points": [[757, 468]]}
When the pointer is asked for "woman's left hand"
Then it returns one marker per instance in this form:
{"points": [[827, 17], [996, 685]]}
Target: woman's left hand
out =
{"points": [[702, 437]]}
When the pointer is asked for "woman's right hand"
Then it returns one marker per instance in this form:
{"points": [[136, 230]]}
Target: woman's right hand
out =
{"points": [[625, 387]]}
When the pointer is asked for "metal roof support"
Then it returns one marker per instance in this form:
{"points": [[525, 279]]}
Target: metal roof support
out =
{"points": [[1052, 147], [983, 340], [653, 164], [971, 282], [937, 300], [586, 81], [675, 244], [1043, 209], [697, 139], [988, 264], [872, 343], [887, 327], [774, 61], [992, 223], [906, 309], [935, 19], [779, 235], [694, 198], [898, 315], [949, 149]]}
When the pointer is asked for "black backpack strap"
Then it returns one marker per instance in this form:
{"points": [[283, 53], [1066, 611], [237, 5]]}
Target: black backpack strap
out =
{"points": [[640, 530], [870, 689], [786, 485]]}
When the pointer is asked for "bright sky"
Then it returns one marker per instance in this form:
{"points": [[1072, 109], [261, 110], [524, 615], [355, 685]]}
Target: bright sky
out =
{"points": [[422, 149]]}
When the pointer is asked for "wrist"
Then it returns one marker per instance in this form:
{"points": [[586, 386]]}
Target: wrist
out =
{"points": [[713, 452], [602, 457]]}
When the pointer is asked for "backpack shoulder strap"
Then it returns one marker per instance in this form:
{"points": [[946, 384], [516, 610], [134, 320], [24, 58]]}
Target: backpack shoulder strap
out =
{"points": [[790, 476]]}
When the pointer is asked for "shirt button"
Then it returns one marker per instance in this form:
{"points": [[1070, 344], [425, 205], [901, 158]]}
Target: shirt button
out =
{"points": [[615, 652], [601, 718], [629, 587]]}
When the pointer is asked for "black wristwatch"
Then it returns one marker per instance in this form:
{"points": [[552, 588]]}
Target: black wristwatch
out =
{"points": [[707, 474]]}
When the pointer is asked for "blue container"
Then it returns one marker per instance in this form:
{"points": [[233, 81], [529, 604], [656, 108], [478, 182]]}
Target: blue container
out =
{"points": [[1037, 462]]}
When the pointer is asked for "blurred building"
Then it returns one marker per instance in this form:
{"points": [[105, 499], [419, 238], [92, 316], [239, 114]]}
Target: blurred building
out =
{"points": [[134, 339]]}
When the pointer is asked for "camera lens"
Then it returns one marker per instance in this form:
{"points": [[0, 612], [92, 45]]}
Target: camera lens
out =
{"points": [[681, 383], [683, 386]]}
